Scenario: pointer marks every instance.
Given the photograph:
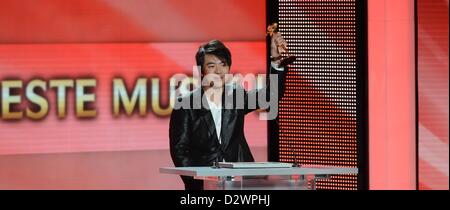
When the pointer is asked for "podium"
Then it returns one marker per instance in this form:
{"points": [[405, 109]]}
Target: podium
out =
{"points": [[293, 178]]}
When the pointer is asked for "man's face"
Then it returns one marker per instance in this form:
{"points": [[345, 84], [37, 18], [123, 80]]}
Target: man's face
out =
{"points": [[214, 70]]}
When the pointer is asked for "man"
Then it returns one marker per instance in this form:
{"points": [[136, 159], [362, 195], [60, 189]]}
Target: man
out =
{"points": [[213, 132]]}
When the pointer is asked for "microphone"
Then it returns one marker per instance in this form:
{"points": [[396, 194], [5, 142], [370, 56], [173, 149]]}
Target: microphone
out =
{"points": [[295, 164]]}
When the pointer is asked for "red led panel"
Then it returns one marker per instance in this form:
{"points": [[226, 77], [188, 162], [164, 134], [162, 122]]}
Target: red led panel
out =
{"points": [[433, 84], [318, 114]]}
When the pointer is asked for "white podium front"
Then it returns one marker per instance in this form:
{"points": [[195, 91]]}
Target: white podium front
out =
{"points": [[294, 178]]}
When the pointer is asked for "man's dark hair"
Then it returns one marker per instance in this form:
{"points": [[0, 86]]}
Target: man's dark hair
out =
{"points": [[214, 47]]}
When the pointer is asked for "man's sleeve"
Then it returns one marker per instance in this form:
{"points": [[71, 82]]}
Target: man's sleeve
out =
{"points": [[179, 135], [252, 95], [251, 98]]}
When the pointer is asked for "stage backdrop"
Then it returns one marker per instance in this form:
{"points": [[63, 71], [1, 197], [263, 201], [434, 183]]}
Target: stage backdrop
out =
{"points": [[103, 40]]}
